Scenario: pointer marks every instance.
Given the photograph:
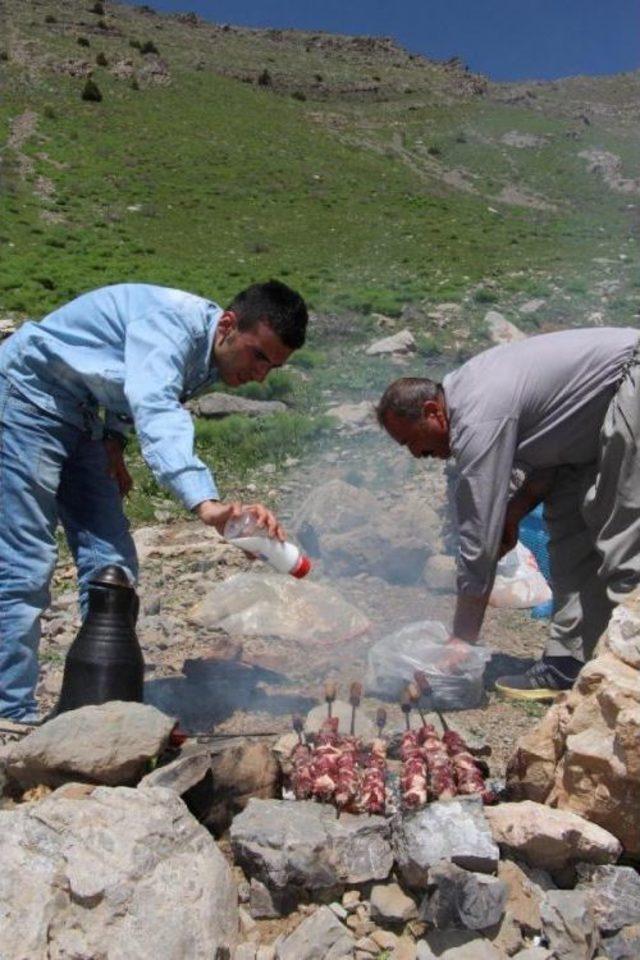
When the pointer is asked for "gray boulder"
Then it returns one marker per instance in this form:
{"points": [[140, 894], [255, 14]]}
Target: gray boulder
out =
{"points": [[456, 945], [454, 830], [126, 871], [463, 899], [217, 405], [569, 925], [188, 769], [349, 530], [301, 849], [614, 895], [623, 945], [110, 744], [319, 937], [502, 330], [402, 342]]}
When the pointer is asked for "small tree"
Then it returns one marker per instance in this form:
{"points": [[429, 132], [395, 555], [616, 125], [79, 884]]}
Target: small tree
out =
{"points": [[83, 42], [264, 78], [98, 9], [91, 91], [148, 47], [101, 60]]}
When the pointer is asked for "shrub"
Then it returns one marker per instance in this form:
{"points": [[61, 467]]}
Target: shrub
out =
{"points": [[101, 60], [135, 85], [83, 42], [4, 56], [264, 78], [91, 91], [434, 151], [49, 112], [148, 47], [50, 18], [98, 9], [135, 44], [484, 295], [299, 95]]}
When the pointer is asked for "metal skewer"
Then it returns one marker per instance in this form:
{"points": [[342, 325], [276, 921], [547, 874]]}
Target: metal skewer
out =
{"points": [[355, 695], [381, 719], [330, 694], [427, 691], [405, 706], [415, 694], [298, 726]]}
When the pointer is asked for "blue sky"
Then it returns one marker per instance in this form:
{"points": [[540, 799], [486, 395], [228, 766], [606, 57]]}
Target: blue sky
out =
{"points": [[505, 39]]}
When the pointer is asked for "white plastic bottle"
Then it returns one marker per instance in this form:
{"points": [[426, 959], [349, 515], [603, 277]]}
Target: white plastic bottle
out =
{"points": [[244, 532]]}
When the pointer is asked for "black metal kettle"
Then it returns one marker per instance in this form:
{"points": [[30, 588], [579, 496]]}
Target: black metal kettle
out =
{"points": [[105, 661]]}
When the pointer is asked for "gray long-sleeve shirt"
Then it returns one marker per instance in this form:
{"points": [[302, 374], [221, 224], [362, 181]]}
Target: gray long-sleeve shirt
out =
{"points": [[538, 403]]}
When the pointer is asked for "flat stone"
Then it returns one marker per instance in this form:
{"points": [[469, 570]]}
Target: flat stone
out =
{"points": [[614, 895], [402, 342], [390, 904], [301, 846], [108, 744], [182, 773], [531, 306], [319, 937], [471, 901], [549, 838], [405, 949], [453, 830], [81, 874], [217, 405], [354, 415], [507, 935], [339, 911], [245, 951], [569, 925], [351, 899], [533, 953]]}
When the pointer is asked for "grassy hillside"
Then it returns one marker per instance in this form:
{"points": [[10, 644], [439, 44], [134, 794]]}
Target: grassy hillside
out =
{"points": [[371, 179], [366, 176]]}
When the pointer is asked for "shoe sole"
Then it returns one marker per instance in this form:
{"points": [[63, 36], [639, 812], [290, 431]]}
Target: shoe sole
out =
{"points": [[535, 693]]}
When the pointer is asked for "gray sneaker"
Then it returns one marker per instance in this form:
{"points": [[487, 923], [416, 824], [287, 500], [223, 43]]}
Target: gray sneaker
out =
{"points": [[542, 681]]}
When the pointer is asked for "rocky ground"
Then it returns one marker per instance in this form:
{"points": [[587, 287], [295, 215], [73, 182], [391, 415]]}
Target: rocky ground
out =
{"points": [[255, 685]]}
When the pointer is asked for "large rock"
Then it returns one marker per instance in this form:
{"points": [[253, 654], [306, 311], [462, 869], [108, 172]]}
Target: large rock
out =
{"points": [[391, 905], [624, 945], [502, 330], [353, 416], [548, 838], [402, 342], [526, 887], [613, 894], [217, 405], [584, 755], [123, 873], [569, 925], [110, 744], [184, 772], [352, 532], [463, 899], [303, 848], [454, 830], [456, 945], [319, 937]]}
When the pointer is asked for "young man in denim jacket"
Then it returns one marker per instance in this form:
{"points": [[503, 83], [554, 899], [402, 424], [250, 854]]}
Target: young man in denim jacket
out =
{"points": [[136, 352]]}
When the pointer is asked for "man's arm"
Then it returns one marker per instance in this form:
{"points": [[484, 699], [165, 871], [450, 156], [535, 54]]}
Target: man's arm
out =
{"points": [[469, 615], [531, 493]]}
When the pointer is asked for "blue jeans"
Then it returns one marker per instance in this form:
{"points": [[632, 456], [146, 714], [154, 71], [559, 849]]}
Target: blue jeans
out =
{"points": [[50, 471]]}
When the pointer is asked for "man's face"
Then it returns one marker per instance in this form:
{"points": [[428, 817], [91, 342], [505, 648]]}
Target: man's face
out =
{"points": [[426, 436], [244, 355]]}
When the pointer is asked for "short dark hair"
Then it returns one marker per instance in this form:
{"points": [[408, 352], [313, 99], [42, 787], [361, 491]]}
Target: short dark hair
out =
{"points": [[275, 304], [405, 397]]}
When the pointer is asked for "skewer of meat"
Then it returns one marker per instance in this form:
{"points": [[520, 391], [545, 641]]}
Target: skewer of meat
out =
{"points": [[468, 772], [301, 777], [324, 760], [372, 789], [348, 779], [330, 694], [355, 695], [413, 779], [441, 780]]}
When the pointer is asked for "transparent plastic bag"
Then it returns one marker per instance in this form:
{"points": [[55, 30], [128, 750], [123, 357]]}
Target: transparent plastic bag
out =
{"points": [[392, 661], [519, 584], [268, 605]]}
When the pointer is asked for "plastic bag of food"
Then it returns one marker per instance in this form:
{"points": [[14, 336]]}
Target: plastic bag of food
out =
{"points": [[269, 605], [392, 661], [519, 584]]}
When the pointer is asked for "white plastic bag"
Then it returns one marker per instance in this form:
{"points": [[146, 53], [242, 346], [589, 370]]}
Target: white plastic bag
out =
{"points": [[392, 661], [519, 583]]}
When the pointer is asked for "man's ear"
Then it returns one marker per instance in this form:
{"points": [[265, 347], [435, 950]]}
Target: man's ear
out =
{"points": [[431, 408], [227, 323]]}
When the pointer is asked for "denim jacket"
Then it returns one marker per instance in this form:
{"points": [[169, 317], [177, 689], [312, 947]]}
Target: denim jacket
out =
{"points": [[139, 352]]}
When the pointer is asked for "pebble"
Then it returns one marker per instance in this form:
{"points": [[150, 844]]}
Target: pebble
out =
{"points": [[350, 900], [385, 939], [339, 910]]}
